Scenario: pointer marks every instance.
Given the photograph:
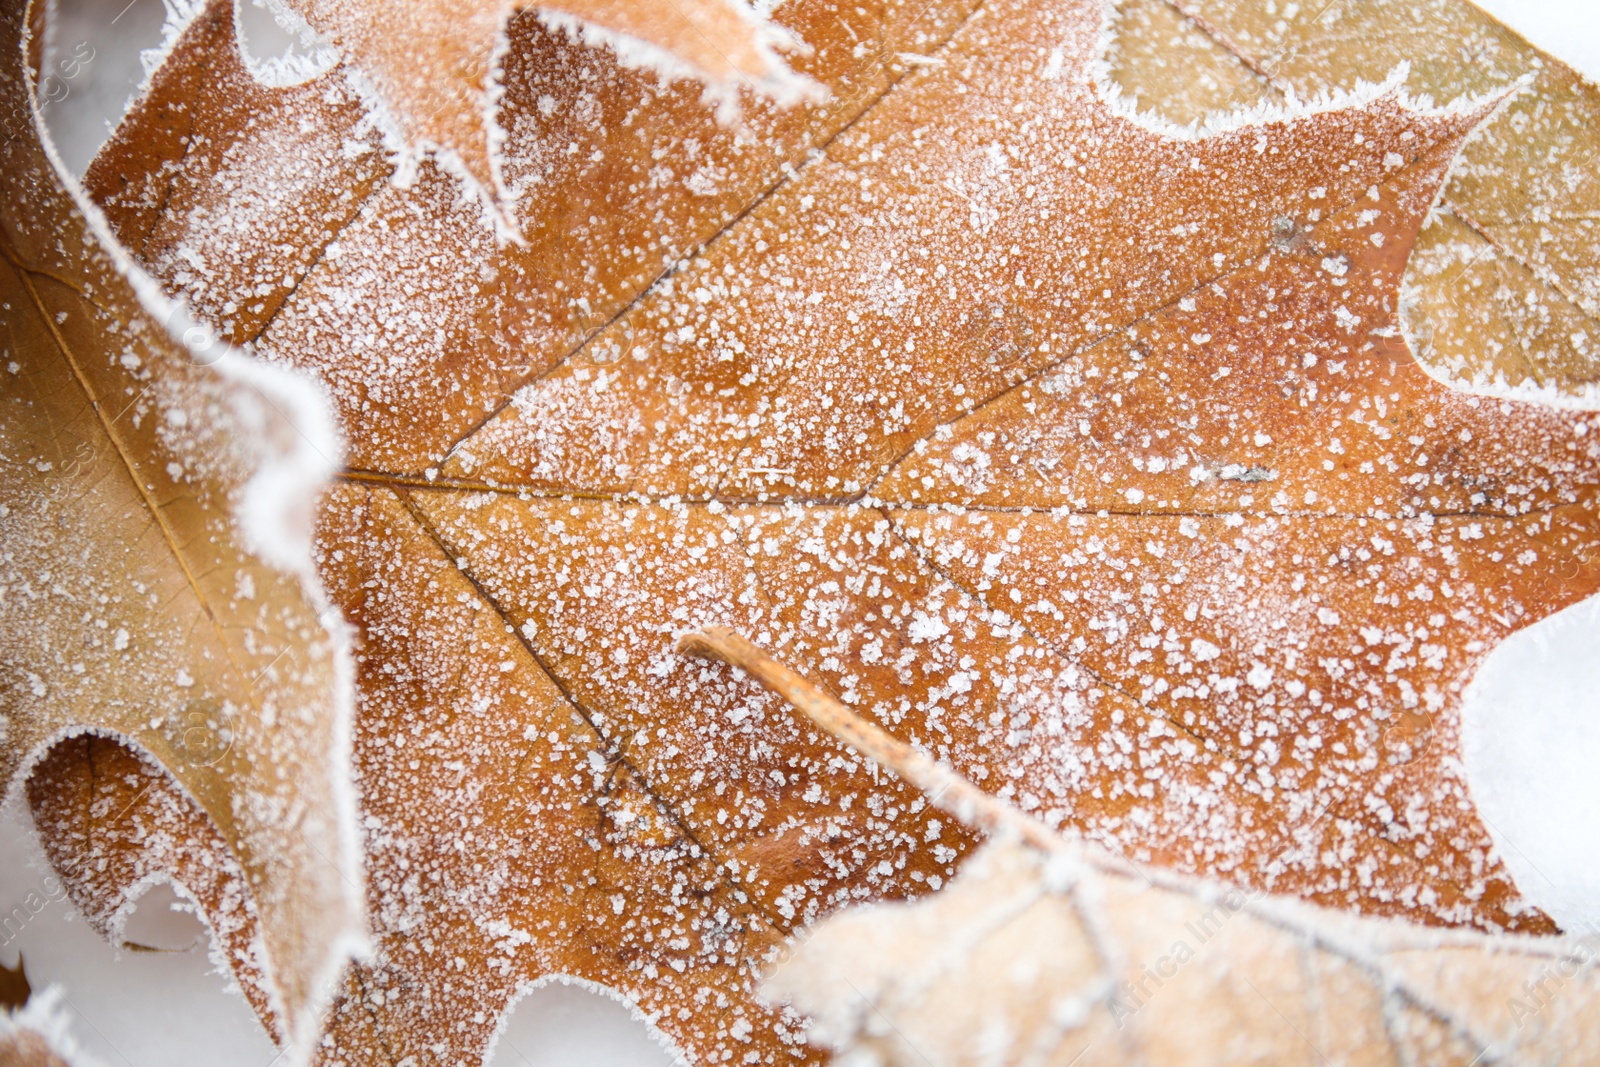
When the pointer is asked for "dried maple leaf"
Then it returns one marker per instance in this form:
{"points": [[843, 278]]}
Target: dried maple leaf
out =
{"points": [[1046, 952], [1030, 958], [1086, 453], [157, 605]]}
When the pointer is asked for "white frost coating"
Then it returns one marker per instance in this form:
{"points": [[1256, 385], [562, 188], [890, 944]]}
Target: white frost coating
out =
{"points": [[1530, 738], [404, 153], [1572, 396], [496, 133], [1584, 397], [163, 914], [274, 514], [217, 952], [620, 1047], [275, 511], [1361, 94], [288, 50], [133, 899], [93, 54], [785, 87], [1530, 719]]}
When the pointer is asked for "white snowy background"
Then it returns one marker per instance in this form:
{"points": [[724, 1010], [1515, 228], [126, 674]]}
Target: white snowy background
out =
{"points": [[1531, 729]]}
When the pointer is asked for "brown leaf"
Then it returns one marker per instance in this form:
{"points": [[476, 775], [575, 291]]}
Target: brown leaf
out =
{"points": [[1505, 283], [135, 607], [14, 987], [1088, 457], [432, 63]]}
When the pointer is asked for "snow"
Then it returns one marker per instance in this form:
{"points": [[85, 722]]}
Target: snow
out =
{"points": [[278, 46], [1531, 742], [88, 103], [565, 1020]]}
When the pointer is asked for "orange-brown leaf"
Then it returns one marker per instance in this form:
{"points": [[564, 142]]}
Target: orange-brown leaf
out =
{"points": [[1088, 455]]}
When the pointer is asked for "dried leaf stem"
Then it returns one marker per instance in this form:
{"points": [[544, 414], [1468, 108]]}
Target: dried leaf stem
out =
{"points": [[944, 788]]}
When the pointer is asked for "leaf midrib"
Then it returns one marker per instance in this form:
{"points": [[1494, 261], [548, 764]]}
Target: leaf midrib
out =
{"points": [[130, 466]]}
